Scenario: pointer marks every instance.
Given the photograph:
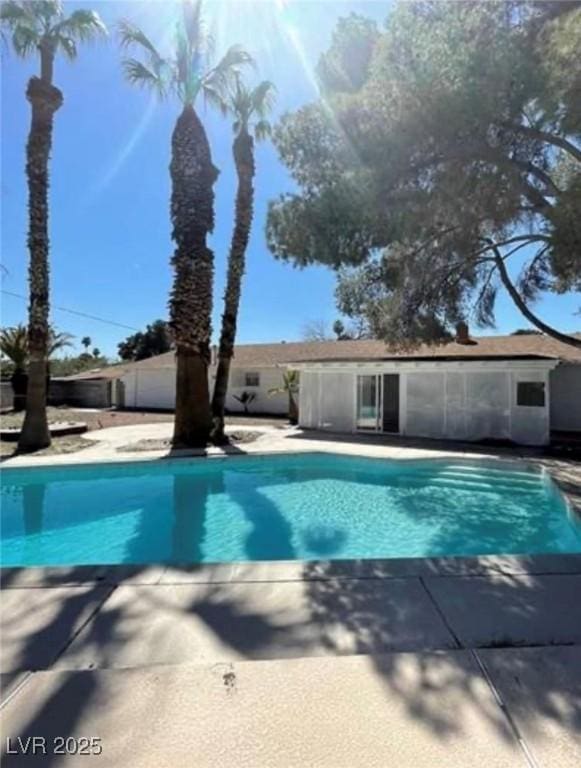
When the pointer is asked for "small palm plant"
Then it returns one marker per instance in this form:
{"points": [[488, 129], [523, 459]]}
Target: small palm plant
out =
{"points": [[245, 399], [14, 346], [249, 108], [42, 28], [185, 74], [290, 387]]}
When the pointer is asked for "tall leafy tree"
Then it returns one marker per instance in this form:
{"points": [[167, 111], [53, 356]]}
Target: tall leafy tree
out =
{"points": [[155, 340], [249, 108], [186, 75], [444, 148], [42, 29]]}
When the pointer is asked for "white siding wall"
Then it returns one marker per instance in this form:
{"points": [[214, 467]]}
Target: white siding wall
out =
{"points": [[530, 425], [310, 399], [452, 404], [270, 378], [566, 397], [426, 397], [474, 405], [327, 401], [155, 388], [337, 402]]}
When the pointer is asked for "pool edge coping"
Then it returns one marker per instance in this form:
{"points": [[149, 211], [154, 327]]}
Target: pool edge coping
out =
{"points": [[500, 566]]}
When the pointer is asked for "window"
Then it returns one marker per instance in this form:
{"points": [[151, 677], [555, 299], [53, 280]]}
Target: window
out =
{"points": [[252, 379], [531, 393]]}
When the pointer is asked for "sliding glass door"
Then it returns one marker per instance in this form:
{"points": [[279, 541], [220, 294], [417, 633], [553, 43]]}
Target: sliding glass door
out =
{"points": [[378, 402], [368, 402]]}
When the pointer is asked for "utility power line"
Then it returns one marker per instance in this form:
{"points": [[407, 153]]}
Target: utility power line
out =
{"points": [[76, 312]]}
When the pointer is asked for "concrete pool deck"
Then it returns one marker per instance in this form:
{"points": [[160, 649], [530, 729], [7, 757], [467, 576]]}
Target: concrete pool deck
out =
{"points": [[436, 662]]}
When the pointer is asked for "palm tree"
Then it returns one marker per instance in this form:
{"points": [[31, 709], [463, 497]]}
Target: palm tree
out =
{"points": [[249, 108], [58, 340], [86, 342], [42, 28], [14, 346], [185, 74], [290, 386]]}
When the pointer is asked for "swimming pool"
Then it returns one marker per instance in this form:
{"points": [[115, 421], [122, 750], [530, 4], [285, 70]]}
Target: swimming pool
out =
{"points": [[301, 506]]}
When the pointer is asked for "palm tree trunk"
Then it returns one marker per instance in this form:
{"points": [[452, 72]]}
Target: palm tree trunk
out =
{"points": [[192, 214], [243, 151], [293, 409], [45, 100]]}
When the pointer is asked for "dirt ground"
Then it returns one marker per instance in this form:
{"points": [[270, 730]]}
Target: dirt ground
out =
{"points": [[103, 419]]}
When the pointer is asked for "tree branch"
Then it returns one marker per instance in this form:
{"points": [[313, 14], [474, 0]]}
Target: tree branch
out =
{"points": [[549, 138], [517, 298], [541, 175], [524, 239]]}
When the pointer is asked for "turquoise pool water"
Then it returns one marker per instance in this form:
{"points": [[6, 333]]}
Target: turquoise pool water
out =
{"points": [[279, 507]]}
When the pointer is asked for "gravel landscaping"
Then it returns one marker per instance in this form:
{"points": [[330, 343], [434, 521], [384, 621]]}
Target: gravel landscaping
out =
{"points": [[166, 445]]}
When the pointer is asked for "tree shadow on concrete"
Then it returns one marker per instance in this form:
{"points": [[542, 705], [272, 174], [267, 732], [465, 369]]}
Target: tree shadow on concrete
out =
{"points": [[442, 691], [489, 448]]}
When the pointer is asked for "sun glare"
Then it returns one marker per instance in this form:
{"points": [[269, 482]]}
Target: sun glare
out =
{"points": [[263, 27]]}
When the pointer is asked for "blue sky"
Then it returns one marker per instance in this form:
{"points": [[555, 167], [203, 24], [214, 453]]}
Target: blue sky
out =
{"points": [[110, 234]]}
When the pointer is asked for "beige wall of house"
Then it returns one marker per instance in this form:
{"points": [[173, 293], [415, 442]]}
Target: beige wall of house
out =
{"points": [[566, 397], [155, 388]]}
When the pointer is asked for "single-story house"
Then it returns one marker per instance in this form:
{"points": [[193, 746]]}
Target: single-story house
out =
{"points": [[256, 369], [150, 383], [84, 390], [517, 387]]}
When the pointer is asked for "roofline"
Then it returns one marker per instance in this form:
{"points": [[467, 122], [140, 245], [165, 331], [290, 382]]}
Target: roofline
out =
{"points": [[431, 364], [422, 359]]}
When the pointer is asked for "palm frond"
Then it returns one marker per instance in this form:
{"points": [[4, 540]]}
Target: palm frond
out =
{"points": [[83, 25], [263, 98], [14, 344], [183, 56], [138, 73], [262, 130], [58, 340], [68, 47], [26, 29], [130, 34], [193, 24], [243, 103], [47, 11], [221, 76], [14, 14], [24, 40], [215, 98]]}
